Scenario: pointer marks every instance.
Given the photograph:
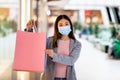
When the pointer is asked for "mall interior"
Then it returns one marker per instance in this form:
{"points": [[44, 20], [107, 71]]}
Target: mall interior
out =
{"points": [[96, 25]]}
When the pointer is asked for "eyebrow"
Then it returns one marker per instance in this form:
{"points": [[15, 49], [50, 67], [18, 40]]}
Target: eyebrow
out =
{"points": [[60, 23], [67, 22]]}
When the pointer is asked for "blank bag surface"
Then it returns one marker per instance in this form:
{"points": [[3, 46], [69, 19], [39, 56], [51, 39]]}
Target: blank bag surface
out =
{"points": [[29, 51]]}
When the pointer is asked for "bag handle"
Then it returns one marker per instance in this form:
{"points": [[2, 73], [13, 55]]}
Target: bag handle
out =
{"points": [[35, 28]]}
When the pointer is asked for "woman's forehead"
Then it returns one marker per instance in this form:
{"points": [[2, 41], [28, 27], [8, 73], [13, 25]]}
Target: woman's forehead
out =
{"points": [[63, 20]]}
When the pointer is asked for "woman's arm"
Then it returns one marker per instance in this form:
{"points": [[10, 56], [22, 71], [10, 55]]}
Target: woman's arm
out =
{"points": [[67, 60], [71, 59]]}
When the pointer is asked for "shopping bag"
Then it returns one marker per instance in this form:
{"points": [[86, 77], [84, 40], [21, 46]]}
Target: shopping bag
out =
{"points": [[30, 52]]}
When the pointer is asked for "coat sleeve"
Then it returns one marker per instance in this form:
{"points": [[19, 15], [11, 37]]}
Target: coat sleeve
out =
{"points": [[49, 46], [71, 59]]}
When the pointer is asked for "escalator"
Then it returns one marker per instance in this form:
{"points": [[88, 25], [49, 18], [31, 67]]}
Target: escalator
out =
{"points": [[116, 16]]}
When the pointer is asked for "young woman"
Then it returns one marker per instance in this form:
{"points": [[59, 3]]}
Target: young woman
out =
{"points": [[62, 49]]}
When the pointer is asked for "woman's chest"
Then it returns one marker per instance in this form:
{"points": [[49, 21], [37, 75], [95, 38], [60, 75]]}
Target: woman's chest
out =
{"points": [[63, 47]]}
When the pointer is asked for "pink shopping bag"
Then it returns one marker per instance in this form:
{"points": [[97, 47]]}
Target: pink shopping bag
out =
{"points": [[29, 52]]}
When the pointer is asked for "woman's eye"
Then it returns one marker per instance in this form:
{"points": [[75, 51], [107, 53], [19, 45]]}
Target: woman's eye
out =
{"points": [[60, 25], [66, 24]]}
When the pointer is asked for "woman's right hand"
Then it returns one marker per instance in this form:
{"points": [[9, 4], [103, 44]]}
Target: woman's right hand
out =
{"points": [[29, 24]]}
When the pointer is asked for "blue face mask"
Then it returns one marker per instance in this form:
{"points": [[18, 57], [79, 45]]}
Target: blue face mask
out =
{"points": [[64, 30]]}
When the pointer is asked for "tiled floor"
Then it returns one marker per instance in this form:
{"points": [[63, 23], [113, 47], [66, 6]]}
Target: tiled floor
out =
{"points": [[91, 65]]}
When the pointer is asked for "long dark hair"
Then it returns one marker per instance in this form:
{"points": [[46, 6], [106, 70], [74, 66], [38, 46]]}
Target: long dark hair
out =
{"points": [[57, 35]]}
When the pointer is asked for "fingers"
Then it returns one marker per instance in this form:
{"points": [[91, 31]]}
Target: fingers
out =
{"points": [[48, 51], [30, 24]]}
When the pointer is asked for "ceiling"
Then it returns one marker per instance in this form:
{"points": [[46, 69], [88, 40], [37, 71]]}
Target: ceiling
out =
{"points": [[57, 4], [71, 4], [78, 4]]}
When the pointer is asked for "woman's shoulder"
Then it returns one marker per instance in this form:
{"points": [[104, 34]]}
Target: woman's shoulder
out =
{"points": [[76, 42], [50, 38]]}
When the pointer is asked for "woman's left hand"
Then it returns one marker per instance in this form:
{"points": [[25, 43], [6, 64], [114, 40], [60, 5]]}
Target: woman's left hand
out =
{"points": [[49, 52]]}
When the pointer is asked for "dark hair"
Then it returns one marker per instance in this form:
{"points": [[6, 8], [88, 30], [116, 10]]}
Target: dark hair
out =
{"points": [[57, 35]]}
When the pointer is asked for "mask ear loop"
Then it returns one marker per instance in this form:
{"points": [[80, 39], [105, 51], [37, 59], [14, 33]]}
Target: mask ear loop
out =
{"points": [[36, 30]]}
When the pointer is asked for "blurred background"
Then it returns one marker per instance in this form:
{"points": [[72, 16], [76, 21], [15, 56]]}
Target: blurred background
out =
{"points": [[96, 25]]}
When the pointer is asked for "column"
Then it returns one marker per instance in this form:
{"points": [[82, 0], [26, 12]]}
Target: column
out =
{"points": [[105, 16], [42, 27], [25, 15], [25, 12], [112, 15], [82, 16]]}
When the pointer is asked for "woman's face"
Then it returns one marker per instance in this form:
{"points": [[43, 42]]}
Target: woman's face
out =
{"points": [[63, 22]]}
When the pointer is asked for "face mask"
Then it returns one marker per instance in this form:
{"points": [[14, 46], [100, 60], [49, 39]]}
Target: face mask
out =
{"points": [[64, 30]]}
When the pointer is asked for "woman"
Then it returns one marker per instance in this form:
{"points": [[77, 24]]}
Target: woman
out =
{"points": [[62, 50]]}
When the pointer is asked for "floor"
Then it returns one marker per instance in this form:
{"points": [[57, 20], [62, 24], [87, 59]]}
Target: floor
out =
{"points": [[96, 65]]}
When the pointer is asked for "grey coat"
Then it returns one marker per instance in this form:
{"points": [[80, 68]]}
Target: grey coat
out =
{"points": [[75, 47]]}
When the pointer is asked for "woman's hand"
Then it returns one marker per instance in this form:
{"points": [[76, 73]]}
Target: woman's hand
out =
{"points": [[29, 24], [49, 52]]}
